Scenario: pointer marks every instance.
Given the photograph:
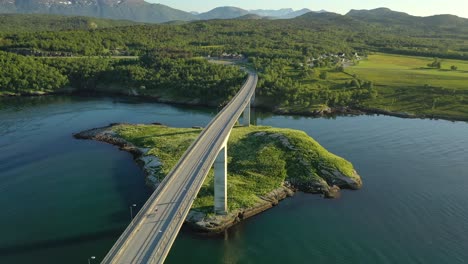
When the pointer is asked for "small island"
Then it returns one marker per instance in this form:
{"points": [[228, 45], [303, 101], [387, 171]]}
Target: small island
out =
{"points": [[265, 165]]}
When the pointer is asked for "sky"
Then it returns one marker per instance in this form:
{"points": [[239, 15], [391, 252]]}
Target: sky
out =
{"points": [[414, 7]]}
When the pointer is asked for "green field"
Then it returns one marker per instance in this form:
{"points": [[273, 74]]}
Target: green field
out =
{"points": [[401, 84], [407, 84], [260, 160]]}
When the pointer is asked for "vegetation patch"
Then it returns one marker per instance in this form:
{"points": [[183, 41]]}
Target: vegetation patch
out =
{"points": [[13, 23]]}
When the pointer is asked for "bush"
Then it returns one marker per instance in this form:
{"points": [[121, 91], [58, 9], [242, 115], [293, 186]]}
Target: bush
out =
{"points": [[323, 75]]}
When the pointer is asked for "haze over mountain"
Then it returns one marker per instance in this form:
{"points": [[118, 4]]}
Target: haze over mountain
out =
{"points": [[298, 13], [251, 17], [272, 13], [228, 12], [283, 13]]}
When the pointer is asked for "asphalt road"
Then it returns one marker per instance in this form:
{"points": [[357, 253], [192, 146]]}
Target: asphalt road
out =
{"points": [[151, 234]]}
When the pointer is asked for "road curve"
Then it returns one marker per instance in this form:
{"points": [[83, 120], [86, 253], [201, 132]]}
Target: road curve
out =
{"points": [[150, 235]]}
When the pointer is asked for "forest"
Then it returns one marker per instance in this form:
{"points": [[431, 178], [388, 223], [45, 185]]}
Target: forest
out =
{"points": [[297, 59]]}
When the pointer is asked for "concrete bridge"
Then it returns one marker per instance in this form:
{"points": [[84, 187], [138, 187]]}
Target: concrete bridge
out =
{"points": [[152, 232]]}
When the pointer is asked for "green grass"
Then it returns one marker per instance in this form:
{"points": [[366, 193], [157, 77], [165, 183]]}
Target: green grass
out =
{"points": [[334, 79], [404, 71], [260, 159], [406, 84]]}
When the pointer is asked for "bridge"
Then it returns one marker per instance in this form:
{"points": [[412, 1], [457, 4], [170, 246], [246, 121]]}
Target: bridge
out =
{"points": [[152, 232]]}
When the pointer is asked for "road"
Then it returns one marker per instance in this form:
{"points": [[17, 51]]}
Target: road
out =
{"points": [[151, 234]]}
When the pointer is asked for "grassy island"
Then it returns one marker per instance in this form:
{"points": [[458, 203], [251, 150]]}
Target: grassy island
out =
{"points": [[265, 164]]}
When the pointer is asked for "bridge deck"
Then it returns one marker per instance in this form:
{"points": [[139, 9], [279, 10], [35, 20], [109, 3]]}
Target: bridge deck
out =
{"points": [[150, 235]]}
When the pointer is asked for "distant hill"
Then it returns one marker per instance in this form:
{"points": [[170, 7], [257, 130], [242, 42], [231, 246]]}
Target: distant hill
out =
{"points": [[381, 15], [328, 19], [136, 10], [393, 19], [13, 23], [386, 20], [445, 21], [225, 12]]}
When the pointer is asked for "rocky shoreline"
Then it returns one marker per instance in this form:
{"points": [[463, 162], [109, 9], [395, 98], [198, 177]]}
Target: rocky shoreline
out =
{"points": [[200, 221], [213, 224]]}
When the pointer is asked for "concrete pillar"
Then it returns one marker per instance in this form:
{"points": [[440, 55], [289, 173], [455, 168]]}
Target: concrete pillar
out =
{"points": [[220, 182], [246, 116], [253, 117]]}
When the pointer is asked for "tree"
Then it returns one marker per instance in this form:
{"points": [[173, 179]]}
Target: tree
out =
{"points": [[92, 25], [323, 75], [454, 68], [435, 64]]}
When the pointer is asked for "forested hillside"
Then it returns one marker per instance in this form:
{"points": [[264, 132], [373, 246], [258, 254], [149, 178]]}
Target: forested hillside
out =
{"points": [[14, 23], [303, 62]]}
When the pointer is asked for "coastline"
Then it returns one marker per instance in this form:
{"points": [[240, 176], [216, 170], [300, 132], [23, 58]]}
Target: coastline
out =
{"points": [[328, 113], [202, 222]]}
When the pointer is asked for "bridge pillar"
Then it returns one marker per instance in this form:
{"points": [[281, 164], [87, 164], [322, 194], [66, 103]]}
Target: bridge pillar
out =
{"points": [[220, 182], [246, 115]]}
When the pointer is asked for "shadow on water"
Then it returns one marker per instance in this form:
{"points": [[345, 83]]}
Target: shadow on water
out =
{"points": [[20, 103], [58, 243], [196, 109], [129, 180]]}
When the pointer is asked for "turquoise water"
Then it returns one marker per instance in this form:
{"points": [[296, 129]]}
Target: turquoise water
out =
{"points": [[63, 200]]}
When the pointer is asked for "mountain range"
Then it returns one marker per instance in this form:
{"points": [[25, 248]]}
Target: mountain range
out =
{"points": [[142, 11], [135, 10]]}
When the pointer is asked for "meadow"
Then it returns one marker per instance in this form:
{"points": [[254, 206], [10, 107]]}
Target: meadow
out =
{"points": [[407, 84]]}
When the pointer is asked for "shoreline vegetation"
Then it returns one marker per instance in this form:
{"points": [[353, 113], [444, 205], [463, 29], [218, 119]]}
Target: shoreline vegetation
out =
{"points": [[320, 112], [266, 165], [367, 86], [316, 64]]}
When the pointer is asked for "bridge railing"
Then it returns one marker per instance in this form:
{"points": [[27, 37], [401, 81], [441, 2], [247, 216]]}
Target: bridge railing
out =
{"points": [[136, 221], [182, 211]]}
